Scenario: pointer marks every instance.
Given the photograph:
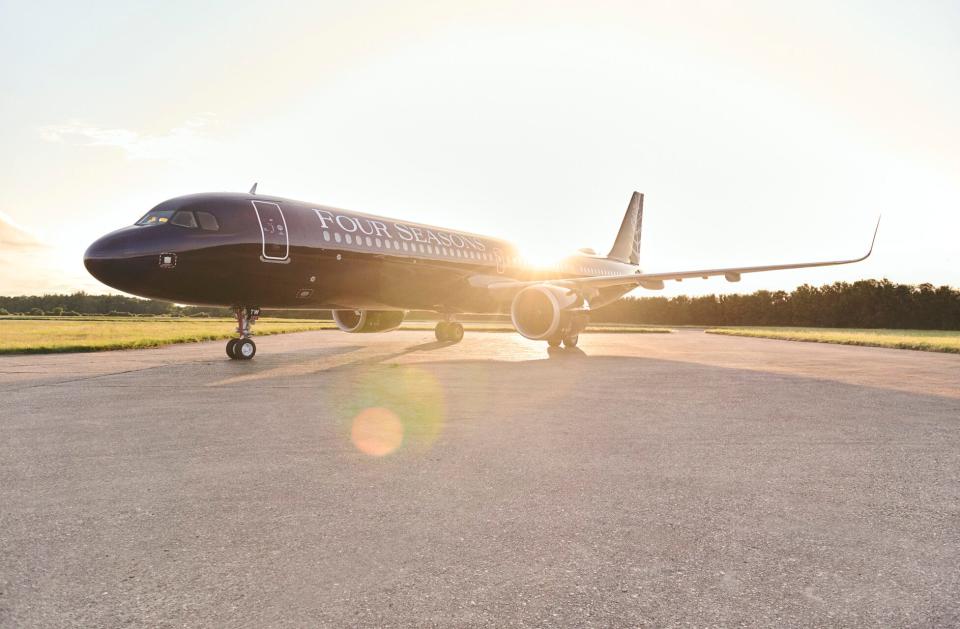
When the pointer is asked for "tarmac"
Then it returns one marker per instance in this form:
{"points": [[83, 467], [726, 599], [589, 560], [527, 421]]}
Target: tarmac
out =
{"points": [[389, 480]]}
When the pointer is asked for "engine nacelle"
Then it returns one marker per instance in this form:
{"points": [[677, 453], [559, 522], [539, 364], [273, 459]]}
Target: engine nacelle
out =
{"points": [[362, 321], [544, 311]]}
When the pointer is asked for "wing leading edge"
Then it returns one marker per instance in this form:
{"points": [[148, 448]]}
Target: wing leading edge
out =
{"points": [[655, 280]]}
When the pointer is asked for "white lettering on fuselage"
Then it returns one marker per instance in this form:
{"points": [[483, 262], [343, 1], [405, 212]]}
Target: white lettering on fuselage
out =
{"points": [[402, 231], [341, 219]]}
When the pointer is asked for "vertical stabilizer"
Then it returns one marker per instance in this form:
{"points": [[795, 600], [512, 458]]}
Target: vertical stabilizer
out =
{"points": [[626, 248]]}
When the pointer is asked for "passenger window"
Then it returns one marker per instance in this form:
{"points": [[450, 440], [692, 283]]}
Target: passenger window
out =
{"points": [[208, 221], [184, 219]]}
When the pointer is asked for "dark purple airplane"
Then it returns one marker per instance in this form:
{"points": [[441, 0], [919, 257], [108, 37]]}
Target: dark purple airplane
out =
{"points": [[250, 251]]}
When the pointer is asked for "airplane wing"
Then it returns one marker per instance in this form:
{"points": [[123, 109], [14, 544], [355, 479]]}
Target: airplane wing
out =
{"points": [[655, 280]]}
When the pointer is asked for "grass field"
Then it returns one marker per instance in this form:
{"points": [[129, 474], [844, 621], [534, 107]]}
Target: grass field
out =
{"points": [[926, 340], [81, 334], [41, 335]]}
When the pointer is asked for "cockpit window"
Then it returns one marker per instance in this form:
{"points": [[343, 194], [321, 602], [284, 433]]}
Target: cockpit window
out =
{"points": [[208, 221], [155, 217], [184, 219], [181, 218]]}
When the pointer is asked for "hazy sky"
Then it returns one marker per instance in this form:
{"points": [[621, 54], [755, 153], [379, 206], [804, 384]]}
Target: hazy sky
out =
{"points": [[761, 132]]}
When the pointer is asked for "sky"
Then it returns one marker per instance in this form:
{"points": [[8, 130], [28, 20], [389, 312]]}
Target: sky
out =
{"points": [[759, 132]]}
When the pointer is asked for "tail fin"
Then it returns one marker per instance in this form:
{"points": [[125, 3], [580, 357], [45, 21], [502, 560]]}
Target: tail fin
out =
{"points": [[626, 248]]}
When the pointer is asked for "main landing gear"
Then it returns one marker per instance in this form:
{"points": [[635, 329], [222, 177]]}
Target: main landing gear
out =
{"points": [[449, 331], [243, 348], [569, 334], [569, 340]]}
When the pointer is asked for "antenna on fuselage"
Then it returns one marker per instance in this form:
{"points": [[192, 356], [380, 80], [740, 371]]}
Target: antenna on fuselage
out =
{"points": [[253, 189]]}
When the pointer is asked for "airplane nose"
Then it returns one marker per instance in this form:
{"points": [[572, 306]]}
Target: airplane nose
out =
{"points": [[102, 258]]}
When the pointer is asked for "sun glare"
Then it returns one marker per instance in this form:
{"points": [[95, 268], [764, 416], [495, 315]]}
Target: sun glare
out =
{"points": [[542, 256]]}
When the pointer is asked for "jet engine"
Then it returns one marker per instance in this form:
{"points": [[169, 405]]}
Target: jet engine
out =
{"points": [[360, 321], [544, 311]]}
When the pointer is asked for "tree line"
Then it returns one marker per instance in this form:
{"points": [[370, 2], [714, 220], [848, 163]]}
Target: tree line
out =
{"points": [[81, 303], [863, 304]]}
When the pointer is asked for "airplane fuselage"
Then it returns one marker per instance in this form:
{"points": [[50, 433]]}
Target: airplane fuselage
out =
{"points": [[279, 253]]}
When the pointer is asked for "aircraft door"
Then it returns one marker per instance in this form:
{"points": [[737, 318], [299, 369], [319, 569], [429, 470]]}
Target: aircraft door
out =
{"points": [[273, 230], [499, 258]]}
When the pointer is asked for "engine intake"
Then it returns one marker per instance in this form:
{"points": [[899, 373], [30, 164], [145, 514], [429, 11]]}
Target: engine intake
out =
{"points": [[543, 311], [363, 321]]}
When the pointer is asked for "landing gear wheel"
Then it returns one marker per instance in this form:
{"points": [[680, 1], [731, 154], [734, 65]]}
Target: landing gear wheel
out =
{"points": [[454, 332], [245, 349], [571, 341], [555, 342], [442, 331]]}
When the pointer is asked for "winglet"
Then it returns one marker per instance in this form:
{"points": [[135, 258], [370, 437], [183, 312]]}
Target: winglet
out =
{"points": [[874, 239], [253, 189]]}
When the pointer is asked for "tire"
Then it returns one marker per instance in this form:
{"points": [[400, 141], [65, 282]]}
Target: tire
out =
{"points": [[442, 331], [571, 341], [554, 342], [454, 332], [245, 349], [231, 345]]}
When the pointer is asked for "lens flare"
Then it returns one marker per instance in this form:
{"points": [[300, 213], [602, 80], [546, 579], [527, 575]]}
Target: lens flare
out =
{"points": [[389, 407], [377, 431]]}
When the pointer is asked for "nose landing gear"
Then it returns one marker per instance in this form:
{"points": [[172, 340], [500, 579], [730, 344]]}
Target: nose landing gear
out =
{"points": [[243, 348]]}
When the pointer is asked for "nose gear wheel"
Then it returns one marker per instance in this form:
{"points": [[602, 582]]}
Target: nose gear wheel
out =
{"points": [[243, 348]]}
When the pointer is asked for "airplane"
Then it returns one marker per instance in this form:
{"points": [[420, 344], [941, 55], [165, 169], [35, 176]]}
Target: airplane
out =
{"points": [[251, 251]]}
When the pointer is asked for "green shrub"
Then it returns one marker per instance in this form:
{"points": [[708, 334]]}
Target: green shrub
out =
{"points": [[36, 312]]}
